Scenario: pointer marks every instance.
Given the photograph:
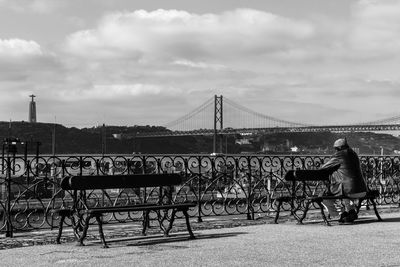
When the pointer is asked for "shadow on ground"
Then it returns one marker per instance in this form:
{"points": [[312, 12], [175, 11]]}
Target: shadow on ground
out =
{"points": [[159, 239], [362, 220]]}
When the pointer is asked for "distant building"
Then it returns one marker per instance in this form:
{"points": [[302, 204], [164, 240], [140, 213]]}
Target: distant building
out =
{"points": [[32, 109], [117, 136], [243, 141]]}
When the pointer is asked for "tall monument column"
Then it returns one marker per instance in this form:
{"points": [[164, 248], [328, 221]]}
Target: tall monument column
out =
{"points": [[32, 109]]}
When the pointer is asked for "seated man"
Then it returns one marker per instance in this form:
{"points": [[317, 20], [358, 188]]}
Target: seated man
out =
{"points": [[346, 181]]}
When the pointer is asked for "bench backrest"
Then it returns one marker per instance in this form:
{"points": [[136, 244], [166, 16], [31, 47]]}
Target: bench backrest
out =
{"points": [[119, 181], [311, 175]]}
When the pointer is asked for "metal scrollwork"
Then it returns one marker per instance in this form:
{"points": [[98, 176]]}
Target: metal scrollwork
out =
{"points": [[221, 185]]}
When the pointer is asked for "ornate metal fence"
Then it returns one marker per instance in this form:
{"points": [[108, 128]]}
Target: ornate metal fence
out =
{"points": [[221, 185]]}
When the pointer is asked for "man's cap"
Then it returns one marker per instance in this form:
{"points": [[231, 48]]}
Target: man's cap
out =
{"points": [[340, 143]]}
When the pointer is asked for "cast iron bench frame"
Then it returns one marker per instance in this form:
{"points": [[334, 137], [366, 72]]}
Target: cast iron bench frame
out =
{"points": [[103, 182], [323, 175]]}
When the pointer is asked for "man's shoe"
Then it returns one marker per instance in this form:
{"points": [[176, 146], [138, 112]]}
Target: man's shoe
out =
{"points": [[351, 217], [343, 216]]}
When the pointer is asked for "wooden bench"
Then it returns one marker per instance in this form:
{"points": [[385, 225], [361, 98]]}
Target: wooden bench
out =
{"points": [[302, 178], [136, 181]]}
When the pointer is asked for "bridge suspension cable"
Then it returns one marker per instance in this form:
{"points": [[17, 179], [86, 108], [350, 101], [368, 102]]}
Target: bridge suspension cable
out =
{"points": [[201, 117], [238, 116], [391, 120]]}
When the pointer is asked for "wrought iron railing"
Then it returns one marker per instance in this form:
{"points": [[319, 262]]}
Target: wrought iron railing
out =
{"points": [[221, 185]]}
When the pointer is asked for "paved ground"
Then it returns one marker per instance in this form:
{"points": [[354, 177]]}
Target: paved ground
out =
{"points": [[223, 241]]}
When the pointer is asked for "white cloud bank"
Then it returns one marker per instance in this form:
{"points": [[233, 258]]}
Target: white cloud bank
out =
{"points": [[19, 48], [173, 34]]}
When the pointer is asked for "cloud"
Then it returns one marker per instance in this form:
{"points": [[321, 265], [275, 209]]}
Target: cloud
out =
{"points": [[176, 35], [376, 27], [23, 61], [117, 92], [19, 48], [26, 63], [35, 6], [199, 65]]}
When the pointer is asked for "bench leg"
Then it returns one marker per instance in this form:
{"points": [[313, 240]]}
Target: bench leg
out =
{"points": [[321, 207], [376, 210], [85, 229], [278, 209], [188, 224], [171, 222], [60, 228], [305, 212], [75, 227], [367, 205], [145, 221], [101, 233], [359, 205], [371, 199], [79, 224]]}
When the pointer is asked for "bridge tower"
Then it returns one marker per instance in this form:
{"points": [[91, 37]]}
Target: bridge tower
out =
{"points": [[32, 109], [218, 123]]}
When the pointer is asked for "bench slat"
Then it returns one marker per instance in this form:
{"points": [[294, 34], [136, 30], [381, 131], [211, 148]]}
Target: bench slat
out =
{"points": [[140, 208], [119, 181]]}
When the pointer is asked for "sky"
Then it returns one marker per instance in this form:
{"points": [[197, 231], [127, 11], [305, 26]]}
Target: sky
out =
{"points": [[129, 62]]}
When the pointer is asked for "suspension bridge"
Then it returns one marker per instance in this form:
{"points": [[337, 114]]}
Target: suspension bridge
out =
{"points": [[219, 117], [222, 116]]}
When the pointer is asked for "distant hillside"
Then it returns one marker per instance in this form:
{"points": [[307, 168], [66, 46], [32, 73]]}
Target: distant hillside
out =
{"points": [[91, 141]]}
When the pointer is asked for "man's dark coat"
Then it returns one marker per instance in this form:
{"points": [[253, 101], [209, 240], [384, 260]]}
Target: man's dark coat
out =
{"points": [[348, 179]]}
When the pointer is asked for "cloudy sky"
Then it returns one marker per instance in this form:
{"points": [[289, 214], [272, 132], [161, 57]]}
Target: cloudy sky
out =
{"points": [[128, 62]]}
